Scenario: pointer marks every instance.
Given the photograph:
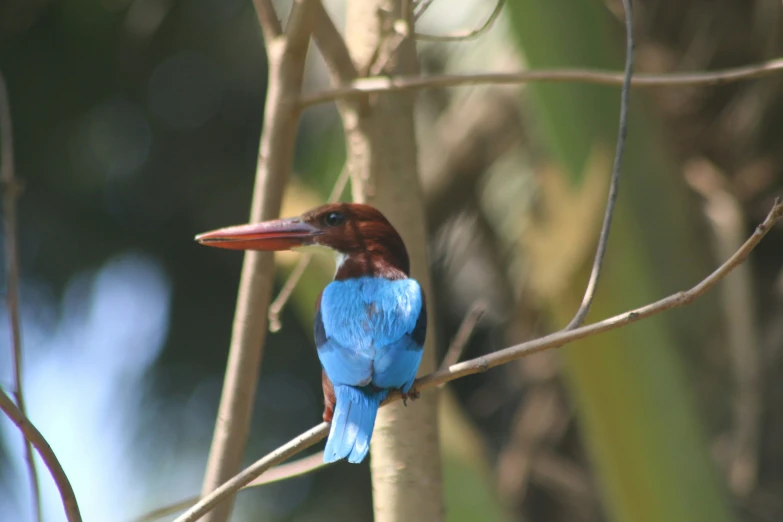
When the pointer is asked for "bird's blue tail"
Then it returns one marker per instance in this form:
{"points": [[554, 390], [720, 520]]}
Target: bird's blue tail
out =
{"points": [[352, 423]]}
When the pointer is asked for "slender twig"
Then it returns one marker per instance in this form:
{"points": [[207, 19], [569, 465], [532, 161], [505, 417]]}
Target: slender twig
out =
{"points": [[464, 35], [286, 57], [364, 86], [330, 42], [285, 293], [614, 184], [288, 450], [740, 314], [484, 363], [38, 441], [421, 8], [297, 468], [288, 288], [460, 341], [267, 19], [11, 189]]}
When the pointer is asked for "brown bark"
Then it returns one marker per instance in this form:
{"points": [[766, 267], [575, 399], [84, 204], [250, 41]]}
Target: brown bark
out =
{"points": [[286, 53], [382, 156]]}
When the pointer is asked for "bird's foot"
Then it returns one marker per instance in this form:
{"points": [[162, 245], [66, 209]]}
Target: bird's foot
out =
{"points": [[412, 394]]}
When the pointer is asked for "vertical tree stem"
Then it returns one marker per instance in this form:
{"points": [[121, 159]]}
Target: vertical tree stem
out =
{"points": [[382, 157], [286, 54], [11, 189]]}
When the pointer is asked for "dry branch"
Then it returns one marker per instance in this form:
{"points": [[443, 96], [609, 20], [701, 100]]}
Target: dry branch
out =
{"points": [[11, 189], [332, 46], [286, 55], [464, 35], [364, 86], [382, 155], [484, 363], [297, 468], [614, 185], [465, 331], [35, 438]]}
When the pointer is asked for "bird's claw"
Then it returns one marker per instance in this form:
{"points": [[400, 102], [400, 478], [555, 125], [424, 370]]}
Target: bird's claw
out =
{"points": [[412, 394]]}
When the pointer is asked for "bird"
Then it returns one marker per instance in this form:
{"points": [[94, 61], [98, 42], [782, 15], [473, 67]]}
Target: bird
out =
{"points": [[370, 321]]}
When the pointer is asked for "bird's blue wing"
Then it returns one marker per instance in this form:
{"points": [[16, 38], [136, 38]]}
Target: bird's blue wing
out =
{"points": [[371, 330], [396, 364], [346, 358]]}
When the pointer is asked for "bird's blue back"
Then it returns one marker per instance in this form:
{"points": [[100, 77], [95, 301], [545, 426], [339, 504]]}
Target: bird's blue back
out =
{"points": [[369, 333]]}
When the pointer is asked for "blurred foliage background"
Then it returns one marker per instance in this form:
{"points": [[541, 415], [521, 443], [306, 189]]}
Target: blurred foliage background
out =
{"points": [[136, 126]]}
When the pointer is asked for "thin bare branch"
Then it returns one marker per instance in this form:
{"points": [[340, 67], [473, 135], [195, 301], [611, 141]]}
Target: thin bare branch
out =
{"points": [[482, 364], [364, 86], [421, 8], [614, 185], [35, 438], [267, 19], [228, 489], [286, 57], [740, 314], [300, 24], [460, 341], [560, 338], [297, 468], [464, 35], [332, 46], [285, 293], [11, 189], [288, 288]]}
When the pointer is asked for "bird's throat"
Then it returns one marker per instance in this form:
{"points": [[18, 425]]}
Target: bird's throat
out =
{"points": [[367, 264]]}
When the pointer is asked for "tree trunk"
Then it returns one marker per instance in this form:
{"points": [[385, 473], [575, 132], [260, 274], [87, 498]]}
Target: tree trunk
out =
{"points": [[382, 156]]}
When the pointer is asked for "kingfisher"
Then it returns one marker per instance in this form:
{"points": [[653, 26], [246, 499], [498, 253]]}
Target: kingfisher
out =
{"points": [[370, 321]]}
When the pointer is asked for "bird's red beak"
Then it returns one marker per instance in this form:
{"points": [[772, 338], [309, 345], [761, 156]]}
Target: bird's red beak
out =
{"points": [[280, 234]]}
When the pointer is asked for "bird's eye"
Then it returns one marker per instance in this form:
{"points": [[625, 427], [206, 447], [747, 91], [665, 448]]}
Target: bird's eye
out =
{"points": [[333, 219]]}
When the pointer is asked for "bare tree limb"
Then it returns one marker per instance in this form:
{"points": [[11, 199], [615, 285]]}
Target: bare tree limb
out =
{"points": [[332, 46], [464, 35], [364, 86], [267, 19], [11, 189], [286, 55], [464, 333], [725, 215], [35, 438], [382, 155], [421, 8], [614, 185], [484, 363], [297, 468], [229, 488]]}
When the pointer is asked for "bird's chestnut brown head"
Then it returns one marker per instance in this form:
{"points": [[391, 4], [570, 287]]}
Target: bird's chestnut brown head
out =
{"points": [[364, 240]]}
